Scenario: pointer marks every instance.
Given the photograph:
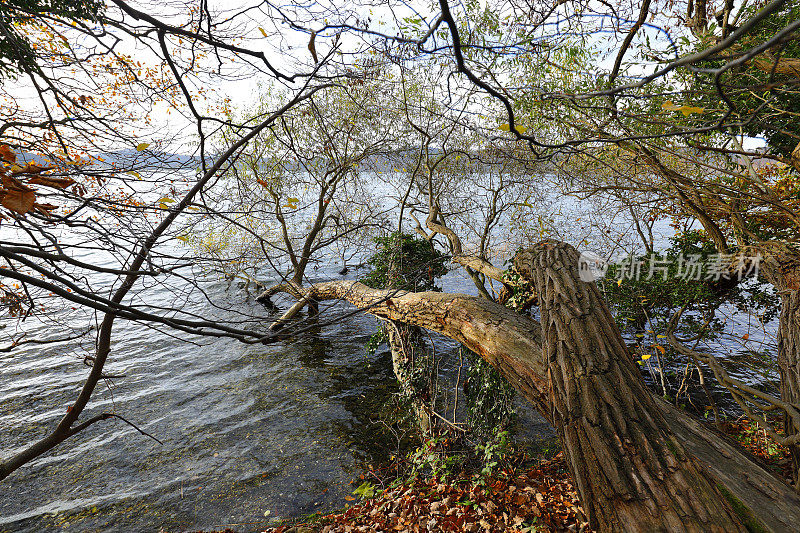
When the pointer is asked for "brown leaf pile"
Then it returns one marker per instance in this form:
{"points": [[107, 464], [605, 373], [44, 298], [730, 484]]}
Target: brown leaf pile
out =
{"points": [[524, 499]]}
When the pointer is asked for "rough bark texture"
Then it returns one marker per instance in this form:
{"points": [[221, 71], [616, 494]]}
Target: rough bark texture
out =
{"points": [[789, 364], [781, 267], [631, 471], [512, 343], [765, 502]]}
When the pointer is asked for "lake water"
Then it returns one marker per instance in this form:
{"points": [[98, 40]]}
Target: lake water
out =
{"points": [[251, 433]]}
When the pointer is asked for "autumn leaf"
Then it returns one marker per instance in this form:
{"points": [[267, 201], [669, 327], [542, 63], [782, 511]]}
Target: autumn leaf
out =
{"points": [[30, 168], [685, 109], [262, 31], [18, 197], [45, 209], [7, 154], [141, 147], [47, 181], [660, 349], [312, 47], [646, 356], [520, 129]]}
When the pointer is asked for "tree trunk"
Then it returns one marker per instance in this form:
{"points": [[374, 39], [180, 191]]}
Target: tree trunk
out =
{"points": [[789, 365], [631, 471], [402, 348], [703, 464], [782, 269]]}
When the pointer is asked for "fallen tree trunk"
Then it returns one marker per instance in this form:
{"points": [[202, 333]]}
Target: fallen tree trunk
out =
{"points": [[630, 469], [746, 495]]}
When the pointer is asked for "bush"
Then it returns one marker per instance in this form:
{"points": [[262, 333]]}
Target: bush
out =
{"points": [[406, 263]]}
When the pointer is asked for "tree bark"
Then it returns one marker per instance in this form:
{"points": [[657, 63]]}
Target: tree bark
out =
{"points": [[781, 267], [402, 347], [631, 471], [512, 343]]}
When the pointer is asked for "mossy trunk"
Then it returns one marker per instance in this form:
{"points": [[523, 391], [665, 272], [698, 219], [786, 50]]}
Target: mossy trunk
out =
{"points": [[403, 361]]}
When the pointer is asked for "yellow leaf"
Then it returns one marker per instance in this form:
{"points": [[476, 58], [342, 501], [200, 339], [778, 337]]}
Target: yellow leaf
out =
{"points": [[163, 206], [661, 336], [141, 147], [685, 109], [290, 206], [292, 200], [262, 31], [182, 238], [646, 356], [165, 200], [135, 174], [688, 110], [506, 127]]}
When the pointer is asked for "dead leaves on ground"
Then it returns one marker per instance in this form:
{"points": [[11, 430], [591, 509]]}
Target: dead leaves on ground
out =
{"points": [[523, 500]]}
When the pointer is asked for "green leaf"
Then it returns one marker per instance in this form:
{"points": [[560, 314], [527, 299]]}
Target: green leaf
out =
{"points": [[366, 490]]}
